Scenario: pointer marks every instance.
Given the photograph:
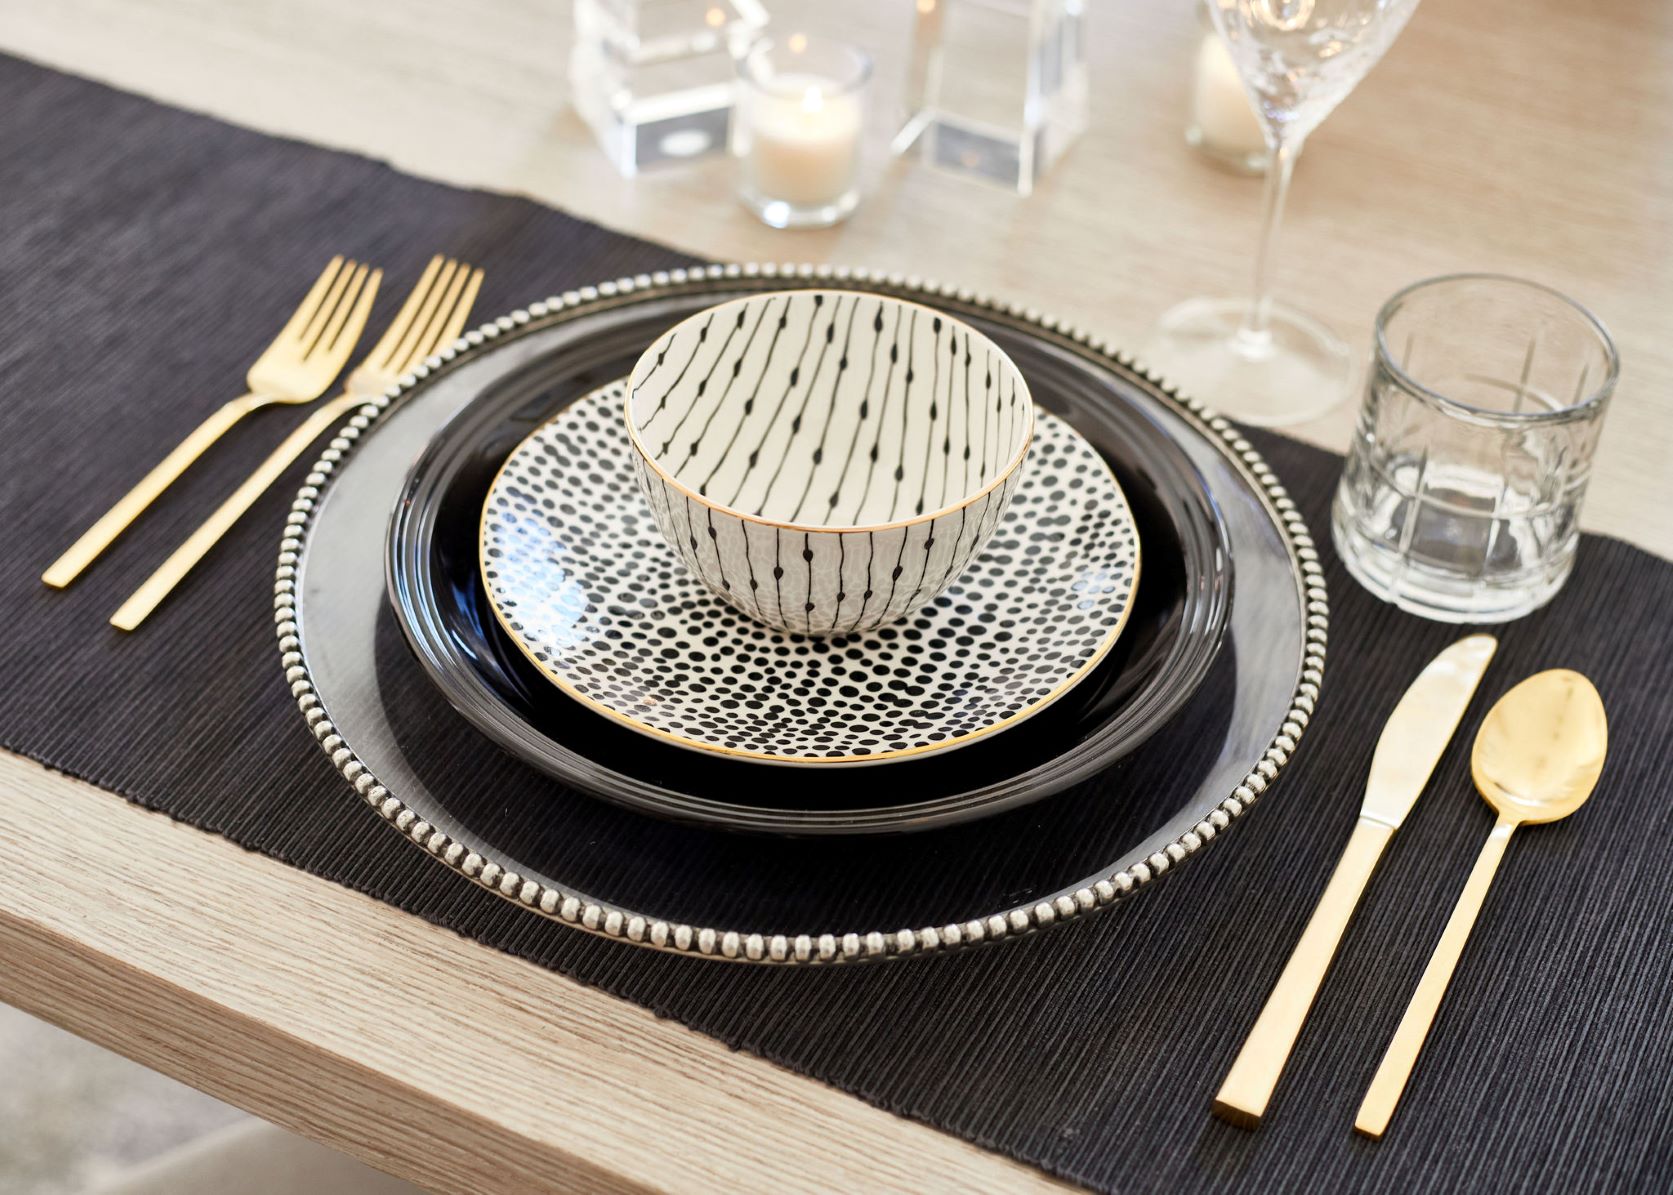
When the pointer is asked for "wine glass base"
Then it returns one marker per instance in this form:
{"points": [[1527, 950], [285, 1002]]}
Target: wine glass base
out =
{"points": [[1299, 370]]}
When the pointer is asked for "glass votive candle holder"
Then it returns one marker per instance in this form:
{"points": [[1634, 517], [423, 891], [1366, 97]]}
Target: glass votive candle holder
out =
{"points": [[1223, 124], [1460, 498], [797, 127]]}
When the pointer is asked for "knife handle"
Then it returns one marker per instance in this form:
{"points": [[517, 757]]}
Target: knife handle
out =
{"points": [[1249, 1084]]}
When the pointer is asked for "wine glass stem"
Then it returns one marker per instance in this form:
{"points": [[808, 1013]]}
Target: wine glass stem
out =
{"points": [[1256, 333]]}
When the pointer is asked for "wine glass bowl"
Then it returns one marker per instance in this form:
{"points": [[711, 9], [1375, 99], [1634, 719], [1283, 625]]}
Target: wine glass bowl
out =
{"points": [[1254, 359], [1299, 59]]}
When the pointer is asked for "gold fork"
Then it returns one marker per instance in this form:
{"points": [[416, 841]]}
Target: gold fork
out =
{"points": [[432, 317], [301, 362]]}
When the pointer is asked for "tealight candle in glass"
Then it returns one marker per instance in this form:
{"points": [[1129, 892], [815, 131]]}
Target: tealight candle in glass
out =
{"points": [[796, 130], [1223, 121]]}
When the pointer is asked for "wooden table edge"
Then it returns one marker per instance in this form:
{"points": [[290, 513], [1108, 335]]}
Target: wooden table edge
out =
{"points": [[425, 1054]]}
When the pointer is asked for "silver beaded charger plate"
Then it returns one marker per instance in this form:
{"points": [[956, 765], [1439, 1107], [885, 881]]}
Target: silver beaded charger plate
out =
{"points": [[690, 890], [585, 585]]}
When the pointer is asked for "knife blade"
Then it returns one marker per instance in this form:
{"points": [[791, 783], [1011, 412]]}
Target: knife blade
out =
{"points": [[1412, 740]]}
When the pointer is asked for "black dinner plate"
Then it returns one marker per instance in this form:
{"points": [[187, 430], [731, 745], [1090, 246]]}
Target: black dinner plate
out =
{"points": [[1175, 630], [704, 891]]}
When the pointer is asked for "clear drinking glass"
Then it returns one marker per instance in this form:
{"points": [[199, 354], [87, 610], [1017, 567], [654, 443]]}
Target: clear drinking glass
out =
{"points": [[1254, 359], [1460, 499]]}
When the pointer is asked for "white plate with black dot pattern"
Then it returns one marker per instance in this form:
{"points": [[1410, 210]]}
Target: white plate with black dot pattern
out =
{"points": [[586, 586]]}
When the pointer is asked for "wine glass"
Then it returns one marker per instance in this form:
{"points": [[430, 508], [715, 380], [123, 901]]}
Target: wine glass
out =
{"points": [[1255, 359]]}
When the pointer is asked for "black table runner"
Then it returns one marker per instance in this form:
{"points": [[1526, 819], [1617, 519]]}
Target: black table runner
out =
{"points": [[145, 257]]}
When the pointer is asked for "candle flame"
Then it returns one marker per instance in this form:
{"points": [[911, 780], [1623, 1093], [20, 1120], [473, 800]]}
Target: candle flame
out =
{"points": [[797, 42], [715, 17], [812, 100], [926, 6]]}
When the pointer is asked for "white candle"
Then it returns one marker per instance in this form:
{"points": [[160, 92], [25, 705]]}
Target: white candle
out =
{"points": [[1220, 107], [796, 129], [802, 142]]}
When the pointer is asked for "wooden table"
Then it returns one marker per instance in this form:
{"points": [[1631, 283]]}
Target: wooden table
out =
{"points": [[1526, 136]]}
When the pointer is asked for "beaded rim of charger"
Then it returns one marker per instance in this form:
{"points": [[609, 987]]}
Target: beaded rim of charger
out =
{"points": [[608, 920]]}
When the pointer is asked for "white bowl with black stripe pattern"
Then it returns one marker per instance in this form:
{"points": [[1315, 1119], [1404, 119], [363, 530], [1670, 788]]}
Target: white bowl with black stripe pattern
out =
{"points": [[827, 461]]}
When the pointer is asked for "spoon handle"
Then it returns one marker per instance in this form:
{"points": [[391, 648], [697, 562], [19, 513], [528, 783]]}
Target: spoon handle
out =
{"points": [[1397, 1063]]}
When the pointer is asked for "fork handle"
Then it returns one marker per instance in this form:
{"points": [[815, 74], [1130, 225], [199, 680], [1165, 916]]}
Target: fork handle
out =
{"points": [[1249, 1084], [117, 519], [1396, 1066], [161, 583]]}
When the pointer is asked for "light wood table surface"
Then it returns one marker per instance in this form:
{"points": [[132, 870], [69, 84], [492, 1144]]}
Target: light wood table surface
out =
{"points": [[1532, 137]]}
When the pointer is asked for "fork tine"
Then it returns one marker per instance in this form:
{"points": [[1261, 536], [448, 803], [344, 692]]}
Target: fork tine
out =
{"points": [[310, 304], [334, 297], [401, 359], [345, 330], [385, 348], [461, 312], [426, 342], [339, 316]]}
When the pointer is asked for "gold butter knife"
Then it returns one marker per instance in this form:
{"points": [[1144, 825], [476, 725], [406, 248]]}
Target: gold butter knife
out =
{"points": [[1416, 733]]}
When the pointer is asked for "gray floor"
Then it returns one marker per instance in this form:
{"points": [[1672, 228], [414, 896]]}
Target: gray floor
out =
{"points": [[72, 1114]]}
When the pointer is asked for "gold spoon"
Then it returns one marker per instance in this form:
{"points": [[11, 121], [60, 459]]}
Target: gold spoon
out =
{"points": [[1537, 758]]}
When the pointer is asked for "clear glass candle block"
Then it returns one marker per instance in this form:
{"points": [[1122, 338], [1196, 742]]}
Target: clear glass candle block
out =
{"points": [[653, 78], [996, 89], [797, 130], [1460, 499]]}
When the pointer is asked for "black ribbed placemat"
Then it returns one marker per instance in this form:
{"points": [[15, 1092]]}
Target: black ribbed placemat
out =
{"points": [[145, 255]]}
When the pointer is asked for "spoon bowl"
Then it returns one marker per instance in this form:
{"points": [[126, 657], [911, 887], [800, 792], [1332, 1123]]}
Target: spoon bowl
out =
{"points": [[1541, 747]]}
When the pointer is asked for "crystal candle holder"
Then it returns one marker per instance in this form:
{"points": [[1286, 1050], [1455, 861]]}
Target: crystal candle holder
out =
{"points": [[653, 78], [796, 132], [996, 89]]}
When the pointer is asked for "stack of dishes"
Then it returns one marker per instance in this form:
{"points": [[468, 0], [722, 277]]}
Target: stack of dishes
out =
{"points": [[812, 577], [750, 571]]}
